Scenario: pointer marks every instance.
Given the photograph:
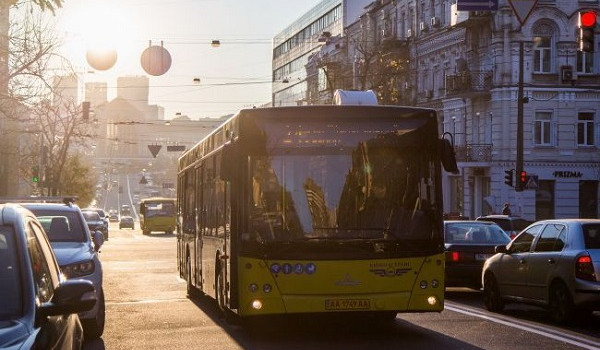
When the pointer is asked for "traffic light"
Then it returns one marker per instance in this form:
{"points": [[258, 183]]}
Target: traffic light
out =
{"points": [[521, 180], [587, 25], [85, 110], [35, 174], [508, 177]]}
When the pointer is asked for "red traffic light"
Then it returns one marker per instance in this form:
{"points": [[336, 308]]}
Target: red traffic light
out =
{"points": [[523, 177], [588, 19]]}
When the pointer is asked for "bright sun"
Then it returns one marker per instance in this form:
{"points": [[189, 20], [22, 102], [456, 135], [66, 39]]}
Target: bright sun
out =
{"points": [[100, 27]]}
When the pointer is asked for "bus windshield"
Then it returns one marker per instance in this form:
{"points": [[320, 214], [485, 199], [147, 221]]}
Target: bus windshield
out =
{"points": [[155, 209], [374, 187]]}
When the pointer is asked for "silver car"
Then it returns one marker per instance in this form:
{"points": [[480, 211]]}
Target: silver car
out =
{"points": [[552, 263]]}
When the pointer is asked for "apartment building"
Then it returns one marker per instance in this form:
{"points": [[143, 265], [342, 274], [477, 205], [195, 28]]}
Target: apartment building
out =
{"points": [[465, 65]]}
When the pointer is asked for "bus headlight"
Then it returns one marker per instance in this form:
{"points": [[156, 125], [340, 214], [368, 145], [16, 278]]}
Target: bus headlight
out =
{"points": [[423, 284], [432, 300], [267, 288], [257, 304], [253, 287], [435, 283]]}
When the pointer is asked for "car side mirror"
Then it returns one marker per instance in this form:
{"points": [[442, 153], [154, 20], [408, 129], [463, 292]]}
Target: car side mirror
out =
{"points": [[70, 297], [98, 239], [501, 249]]}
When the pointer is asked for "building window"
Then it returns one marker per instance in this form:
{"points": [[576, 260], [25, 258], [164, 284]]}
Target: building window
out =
{"points": [[585, 129], [585, 62], [542, 61], [542, 129]]}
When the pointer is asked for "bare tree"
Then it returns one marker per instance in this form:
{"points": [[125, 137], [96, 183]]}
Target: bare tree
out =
{"points": [[62, 130], [32, 58]]}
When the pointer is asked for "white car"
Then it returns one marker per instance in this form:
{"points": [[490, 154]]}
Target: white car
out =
{"points": [[552, 263]]}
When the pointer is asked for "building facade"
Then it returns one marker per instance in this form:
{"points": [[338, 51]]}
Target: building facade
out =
{"points": [[466, 66], [293, 46]]}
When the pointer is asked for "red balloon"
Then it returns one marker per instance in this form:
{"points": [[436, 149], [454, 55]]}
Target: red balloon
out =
{"points": [[156, 60], [101, 59]]}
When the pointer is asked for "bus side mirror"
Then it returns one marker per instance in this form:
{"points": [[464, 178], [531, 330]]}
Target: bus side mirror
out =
{"points": [[448, 157], [228, 161]]}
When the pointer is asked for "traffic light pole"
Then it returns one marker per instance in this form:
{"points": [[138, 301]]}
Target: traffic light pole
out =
{"points": [[520, 98]]}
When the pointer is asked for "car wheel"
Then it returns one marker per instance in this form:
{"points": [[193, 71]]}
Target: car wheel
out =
{"points": [[561, 304], [491, 294], [93, 328]]}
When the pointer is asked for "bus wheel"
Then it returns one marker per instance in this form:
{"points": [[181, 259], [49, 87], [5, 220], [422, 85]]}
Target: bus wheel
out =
{"points": [[220, 288], [188, 269]]}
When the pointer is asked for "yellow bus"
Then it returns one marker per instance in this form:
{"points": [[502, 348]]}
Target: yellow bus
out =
{"points": [[158, 214], [316, 209]]}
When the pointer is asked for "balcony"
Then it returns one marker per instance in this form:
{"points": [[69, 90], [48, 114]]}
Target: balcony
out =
{"points": [[469, 83], [473, 152]]}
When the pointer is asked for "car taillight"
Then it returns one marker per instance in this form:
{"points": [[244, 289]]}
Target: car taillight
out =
{"points": [[584, 269]]}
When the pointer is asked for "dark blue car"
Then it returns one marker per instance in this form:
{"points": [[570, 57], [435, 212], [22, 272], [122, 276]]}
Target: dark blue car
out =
{"points": [[38, 307]]}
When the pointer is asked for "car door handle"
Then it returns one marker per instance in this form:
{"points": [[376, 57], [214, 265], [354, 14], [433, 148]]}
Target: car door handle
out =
{"points": [[551, 261]]}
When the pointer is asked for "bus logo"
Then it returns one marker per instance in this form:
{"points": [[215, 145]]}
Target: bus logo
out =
{"points": [[311, 268], [348, 281], [389, 272], [275, 268], [298, 269]]}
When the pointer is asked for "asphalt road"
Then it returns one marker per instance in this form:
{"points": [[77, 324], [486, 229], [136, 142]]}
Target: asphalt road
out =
{"points": [[147, 308]]}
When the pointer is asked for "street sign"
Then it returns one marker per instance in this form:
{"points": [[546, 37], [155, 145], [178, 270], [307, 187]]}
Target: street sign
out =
{"points": [[522, 8], [154, 149], [532, 182], [477, 5], [176, 148]]}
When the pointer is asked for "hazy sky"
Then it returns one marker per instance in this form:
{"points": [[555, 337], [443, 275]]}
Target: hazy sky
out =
{"points": [[186, 28]]}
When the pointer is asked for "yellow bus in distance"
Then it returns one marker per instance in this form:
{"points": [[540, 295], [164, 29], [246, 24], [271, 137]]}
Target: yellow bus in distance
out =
{"points": [[157, 214]]}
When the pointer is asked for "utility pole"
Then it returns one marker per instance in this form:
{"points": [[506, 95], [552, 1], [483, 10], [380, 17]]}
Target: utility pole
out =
{"points": [[520, 101]]}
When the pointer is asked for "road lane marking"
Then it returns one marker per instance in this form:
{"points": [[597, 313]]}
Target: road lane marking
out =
{"points": [[145, 301], [515, 323]]}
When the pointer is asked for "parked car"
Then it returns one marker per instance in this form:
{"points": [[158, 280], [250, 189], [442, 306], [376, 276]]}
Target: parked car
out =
{"points": [[76, 249], [126, 221], [104, 217], [38, 307], [510, 224], [468, 244], [95, 222], [553, 264]]}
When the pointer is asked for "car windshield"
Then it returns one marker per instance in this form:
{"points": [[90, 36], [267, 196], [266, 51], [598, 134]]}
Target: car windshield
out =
{"points": [[10, 283], [61, 226], [591, 236], [474, 233]]}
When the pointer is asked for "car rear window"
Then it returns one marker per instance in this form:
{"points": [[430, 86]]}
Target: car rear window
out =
{"points": [[61, 226], [469, 233], [91, 216], [591, 236]]}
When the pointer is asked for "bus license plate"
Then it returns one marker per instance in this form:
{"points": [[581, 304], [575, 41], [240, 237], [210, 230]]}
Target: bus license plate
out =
{"points": [[347, 304]]}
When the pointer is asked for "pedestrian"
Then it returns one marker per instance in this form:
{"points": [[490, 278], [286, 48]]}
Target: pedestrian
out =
{"points": [[506, 209]]}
